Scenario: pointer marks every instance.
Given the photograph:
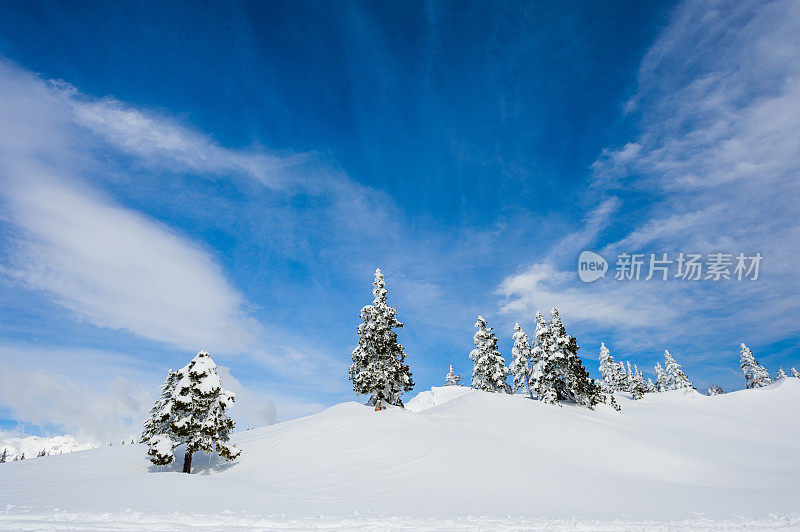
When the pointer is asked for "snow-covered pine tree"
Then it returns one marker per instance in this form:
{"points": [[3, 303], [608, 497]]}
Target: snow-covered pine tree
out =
{"points": [[573, 381], [780, 375], [4, 456], [676, 378], [520, 367], [489, 371], [636, 383], [41, 453], [662, 384], [622, 378], [543, 374], [755, 375], [158, 422], [379, 369], [629, 375], [452, 379], [642, 382], [715, 390], [609, 371], [197, 416], [795, 373], [651, 388]]}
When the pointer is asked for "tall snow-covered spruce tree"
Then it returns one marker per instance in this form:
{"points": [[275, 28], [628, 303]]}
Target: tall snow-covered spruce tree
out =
{"points": [[755, 375], [379, 369], [489, 371], [558, 373], [452, 378], [520, 367], [191, 411]]}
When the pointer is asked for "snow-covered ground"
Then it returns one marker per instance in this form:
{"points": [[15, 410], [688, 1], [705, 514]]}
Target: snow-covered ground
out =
{"points": [[31, 446], [461, 459]]}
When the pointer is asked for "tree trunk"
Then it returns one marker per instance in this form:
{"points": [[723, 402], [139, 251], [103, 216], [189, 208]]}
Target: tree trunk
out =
{"points": [[187, 462]]}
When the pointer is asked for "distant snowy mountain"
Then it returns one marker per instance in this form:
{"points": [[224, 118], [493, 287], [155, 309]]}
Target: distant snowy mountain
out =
{"points": [[31, 446], [454, 459]]}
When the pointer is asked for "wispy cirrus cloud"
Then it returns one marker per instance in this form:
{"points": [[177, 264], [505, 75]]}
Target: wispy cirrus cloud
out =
{"points": [[718, 112], [110, 265], [162, 142]]}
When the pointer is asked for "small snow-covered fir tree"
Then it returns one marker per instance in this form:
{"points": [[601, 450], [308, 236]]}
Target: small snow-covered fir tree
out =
{"points": [[755, 375], [662, 380], [637, 386], [452, 379], [780, 375], [651, 388], [520, 367], [623, 378], [715, 390], [4, 456], [379, 369], [676, 378], [609, 371], [41, 453], [489, 371], [196, 414], [640, 379], [795, 373]]}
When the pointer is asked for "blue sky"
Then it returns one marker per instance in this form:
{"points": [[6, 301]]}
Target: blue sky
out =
{"points": [[178, 176]]}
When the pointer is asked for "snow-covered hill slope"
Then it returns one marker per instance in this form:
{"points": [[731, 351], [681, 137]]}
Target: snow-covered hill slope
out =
{"points": [[478, 460]]}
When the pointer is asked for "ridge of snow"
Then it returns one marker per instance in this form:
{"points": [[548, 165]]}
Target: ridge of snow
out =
{"points": [[437, 395]]}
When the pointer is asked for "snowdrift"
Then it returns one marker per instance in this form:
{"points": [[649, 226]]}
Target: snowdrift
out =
{"points": [[463, 458]]}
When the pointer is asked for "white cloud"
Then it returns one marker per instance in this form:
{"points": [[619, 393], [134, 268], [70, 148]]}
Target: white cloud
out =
{"points": [[121, 270], [100, 413], [110, 265]]}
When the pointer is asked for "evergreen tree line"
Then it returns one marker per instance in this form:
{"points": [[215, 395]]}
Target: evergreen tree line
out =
{"points": [[756, 375], [547, 369]]}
